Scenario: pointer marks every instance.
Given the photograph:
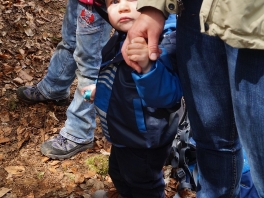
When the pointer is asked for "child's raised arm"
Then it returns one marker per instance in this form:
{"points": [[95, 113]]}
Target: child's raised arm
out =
{"points": [[138, 51]]}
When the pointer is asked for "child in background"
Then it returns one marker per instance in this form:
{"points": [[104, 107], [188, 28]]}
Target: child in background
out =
{"points": [[134, 108]]}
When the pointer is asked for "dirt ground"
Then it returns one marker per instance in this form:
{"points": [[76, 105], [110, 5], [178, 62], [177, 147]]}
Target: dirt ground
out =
{"points": [[29, 33]]}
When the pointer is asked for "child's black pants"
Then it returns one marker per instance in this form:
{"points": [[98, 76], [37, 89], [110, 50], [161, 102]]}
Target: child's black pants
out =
{"points": [[137, 173]]}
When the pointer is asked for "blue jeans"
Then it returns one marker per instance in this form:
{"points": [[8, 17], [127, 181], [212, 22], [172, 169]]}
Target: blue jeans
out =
{"points": [[78, 54], [224, 92]]}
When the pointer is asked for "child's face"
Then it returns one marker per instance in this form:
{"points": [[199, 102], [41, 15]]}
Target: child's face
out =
{"points": [[122, 13]]}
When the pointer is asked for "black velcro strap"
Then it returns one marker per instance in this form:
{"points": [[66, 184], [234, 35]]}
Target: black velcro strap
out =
{"points": [[180, 174]]}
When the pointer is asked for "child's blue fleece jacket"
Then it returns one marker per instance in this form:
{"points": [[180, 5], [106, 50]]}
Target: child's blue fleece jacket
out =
{"points": [[134, 109]]}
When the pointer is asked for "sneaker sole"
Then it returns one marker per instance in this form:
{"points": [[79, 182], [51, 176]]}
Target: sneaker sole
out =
{"points": [[67, 156], [57, 103]]}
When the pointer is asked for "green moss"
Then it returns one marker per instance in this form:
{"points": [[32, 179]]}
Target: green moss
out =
{"points": [[62, 10], [12, 104], [40, 175], [98, 163], [71, 176]]}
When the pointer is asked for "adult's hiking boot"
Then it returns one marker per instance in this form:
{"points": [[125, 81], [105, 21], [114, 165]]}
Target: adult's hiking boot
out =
{"points": [[31, 95], [59, 147], [106, 194]]}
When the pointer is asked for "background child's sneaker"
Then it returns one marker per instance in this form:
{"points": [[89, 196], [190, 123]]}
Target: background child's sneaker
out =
{"points": [[59, 147], [31, 95]]}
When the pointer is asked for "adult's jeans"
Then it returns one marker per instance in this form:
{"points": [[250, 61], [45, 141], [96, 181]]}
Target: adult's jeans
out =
{"points": [[78, 54], [224, 92]]}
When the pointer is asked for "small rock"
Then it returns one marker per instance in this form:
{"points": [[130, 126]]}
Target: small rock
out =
{"points": [[86, 196], [83, 186], [98, 185]]}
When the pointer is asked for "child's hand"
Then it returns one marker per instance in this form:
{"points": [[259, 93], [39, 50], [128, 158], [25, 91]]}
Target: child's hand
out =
{"points": [[92, 88], [138, 51]]}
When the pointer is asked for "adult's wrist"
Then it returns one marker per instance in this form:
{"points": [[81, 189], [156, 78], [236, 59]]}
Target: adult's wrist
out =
{"points": [[158, 5]]}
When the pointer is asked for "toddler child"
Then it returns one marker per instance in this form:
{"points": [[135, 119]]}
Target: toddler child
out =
{"points": [[134, 108]]}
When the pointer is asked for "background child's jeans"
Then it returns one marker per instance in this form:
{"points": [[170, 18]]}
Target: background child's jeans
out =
{"points": [[80, 52], [224, 92]]}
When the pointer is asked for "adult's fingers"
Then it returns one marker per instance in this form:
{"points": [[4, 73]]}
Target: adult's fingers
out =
{"points": [[148, 25], [156, 20], [153, 42], [124, 50]]}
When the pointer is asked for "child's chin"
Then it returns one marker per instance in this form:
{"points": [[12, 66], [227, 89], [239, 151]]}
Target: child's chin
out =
{"points": [[125, 28]]}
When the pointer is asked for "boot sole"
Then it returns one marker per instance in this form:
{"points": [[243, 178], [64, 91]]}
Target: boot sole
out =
{"points": [[66, 156], [57, 103]]}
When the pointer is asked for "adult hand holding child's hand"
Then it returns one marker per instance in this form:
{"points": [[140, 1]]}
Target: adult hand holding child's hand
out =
{"points": [[138, 52]]}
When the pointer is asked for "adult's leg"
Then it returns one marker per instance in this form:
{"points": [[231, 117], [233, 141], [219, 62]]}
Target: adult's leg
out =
{"points": [[203, 71], [246, 70]]}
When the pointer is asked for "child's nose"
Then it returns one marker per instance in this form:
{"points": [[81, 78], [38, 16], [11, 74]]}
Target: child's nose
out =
{"points": [[123, 6]]}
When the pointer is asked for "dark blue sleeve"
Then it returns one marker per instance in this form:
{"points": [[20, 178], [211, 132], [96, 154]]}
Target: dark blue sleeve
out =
{"points": [[160, 87]]}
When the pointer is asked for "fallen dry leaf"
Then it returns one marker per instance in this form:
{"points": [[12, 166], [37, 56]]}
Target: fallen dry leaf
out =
{"points": [[66, 163], [70, 187], [22, 52], [52, 115], [40, 22], [18, 80], [89, 174], [104, 152], [29, 32], [25, 76], [5, 116], [3, 191], [29, 16], [17, 69], [15, 170], [45, 35], [52, 169], [20, 130], [44, 159], [4, 33], [31, 195], [20, 143], [1, 156], [6, 130], [32, 4], [7, 69], [8, 86], [5, 56], [54, 162], [79, 178], [4, 140]]}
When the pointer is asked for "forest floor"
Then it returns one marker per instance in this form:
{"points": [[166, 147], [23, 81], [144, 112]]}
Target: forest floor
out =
{"points": [[29, 33]]}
